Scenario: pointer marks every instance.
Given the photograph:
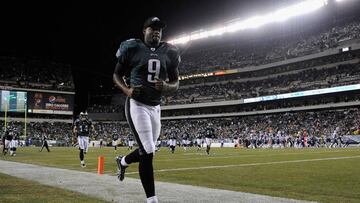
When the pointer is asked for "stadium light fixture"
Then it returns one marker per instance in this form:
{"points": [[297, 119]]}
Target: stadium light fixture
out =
{"points": [[297, 10], [280, 15]]}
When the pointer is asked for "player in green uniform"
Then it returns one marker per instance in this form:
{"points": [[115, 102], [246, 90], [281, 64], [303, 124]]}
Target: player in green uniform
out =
{"points": [[150, 68]]}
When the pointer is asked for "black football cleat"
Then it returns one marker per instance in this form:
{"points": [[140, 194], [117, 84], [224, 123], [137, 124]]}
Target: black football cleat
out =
{"points": [[121, 168]]}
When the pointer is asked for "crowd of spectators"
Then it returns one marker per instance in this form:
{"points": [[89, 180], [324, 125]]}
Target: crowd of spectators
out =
{"points": [[315, 123], [328, 61], [35, 73], [269, 105], [59, 131], [62, 132], [282, 83], [269, 50], [102, 108]]}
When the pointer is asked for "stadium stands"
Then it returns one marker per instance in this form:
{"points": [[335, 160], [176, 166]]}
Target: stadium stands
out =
{"points": [[99, 108], [311, 78], [35, 73], [273, 49], [320, 124], [266, 67]]}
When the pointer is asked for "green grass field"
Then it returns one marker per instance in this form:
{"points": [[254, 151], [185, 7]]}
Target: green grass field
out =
{"points": [[324, 175], [15, 190]]}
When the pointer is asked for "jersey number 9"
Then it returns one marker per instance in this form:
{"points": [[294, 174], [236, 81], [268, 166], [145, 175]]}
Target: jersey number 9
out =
{"points": [[153, 69]]}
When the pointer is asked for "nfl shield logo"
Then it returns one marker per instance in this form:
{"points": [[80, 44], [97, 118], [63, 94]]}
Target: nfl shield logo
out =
{"points": [[152, 49]]}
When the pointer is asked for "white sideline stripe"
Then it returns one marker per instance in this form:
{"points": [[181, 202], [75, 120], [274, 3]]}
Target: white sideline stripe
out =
{"points": [[108, 188], [232, 155], [252, 164]]}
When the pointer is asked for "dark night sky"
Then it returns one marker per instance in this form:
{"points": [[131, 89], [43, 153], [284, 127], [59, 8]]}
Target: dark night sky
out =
{"points": [[87, 35]]}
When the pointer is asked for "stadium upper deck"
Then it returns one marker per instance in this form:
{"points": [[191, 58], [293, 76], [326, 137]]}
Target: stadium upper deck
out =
{"points": [[265, 49], [35, 73]]}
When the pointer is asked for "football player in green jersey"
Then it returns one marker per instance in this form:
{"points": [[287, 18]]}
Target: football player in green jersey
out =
{"points": [[144, 72]]}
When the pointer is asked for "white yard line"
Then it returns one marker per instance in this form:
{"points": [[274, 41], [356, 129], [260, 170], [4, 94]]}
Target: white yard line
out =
{"points": [[108, 188], [251, 164], [232, 155]]}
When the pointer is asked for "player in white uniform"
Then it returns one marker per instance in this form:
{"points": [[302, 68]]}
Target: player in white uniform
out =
{"points": [[335, 137], [210, 134], [172, 142], [8, 136], [130, 142], [82, 128], [115, 138], [198, 141], [185, 139], [14, 144]]}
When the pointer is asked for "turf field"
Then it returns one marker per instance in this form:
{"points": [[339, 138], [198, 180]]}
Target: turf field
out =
{"points": [[17, 190], [324, 175]]}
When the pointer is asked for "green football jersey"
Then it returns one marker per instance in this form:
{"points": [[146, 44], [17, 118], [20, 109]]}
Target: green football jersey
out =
{"points": [[144, 64]]}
